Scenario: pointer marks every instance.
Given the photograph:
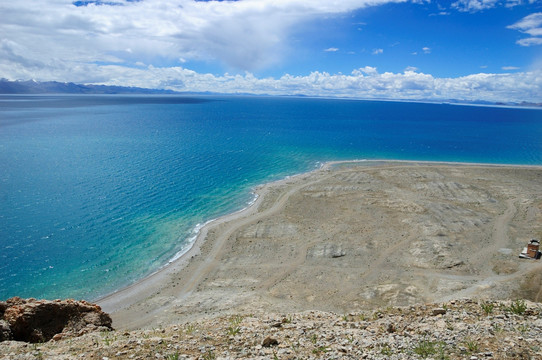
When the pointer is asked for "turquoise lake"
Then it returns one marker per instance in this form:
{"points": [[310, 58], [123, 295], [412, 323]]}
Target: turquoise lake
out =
{"points": [[99, 191]]}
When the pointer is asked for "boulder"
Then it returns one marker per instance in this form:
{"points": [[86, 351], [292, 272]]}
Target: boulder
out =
{"points": [[34, 320], [3, 307], [5, 331]]}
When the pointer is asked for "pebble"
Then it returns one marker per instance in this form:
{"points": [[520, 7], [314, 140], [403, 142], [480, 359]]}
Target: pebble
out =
{"points": [[439, 311], [314, 335]]}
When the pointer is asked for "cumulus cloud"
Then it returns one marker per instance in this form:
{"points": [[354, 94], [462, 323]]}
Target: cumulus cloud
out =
{"points": [[366, 83], [531, 25]]}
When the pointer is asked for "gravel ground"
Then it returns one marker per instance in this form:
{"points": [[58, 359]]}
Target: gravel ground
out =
{"points": [[458, 329]]}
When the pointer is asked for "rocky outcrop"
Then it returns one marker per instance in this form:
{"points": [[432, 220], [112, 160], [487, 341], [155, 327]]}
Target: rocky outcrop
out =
{"points": [[32, 320], [459, 329]]}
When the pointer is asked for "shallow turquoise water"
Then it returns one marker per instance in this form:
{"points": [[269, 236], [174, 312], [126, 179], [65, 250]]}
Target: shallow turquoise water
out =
{"points": [[97, 191]]}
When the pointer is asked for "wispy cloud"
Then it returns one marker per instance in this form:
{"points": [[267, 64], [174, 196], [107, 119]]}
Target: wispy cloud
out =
{"points": [[332, 49], [508, 68], [378, 51], [531, 25], [530, 41], [474, 5], [426, 50], [479, 5]]}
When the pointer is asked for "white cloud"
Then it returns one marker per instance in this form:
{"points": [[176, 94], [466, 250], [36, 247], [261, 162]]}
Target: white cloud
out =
{"points": [[479, 5], [509, 68], [332, 49], [474, 5], [364, 82], [367, 70], [530, 41], [426, 50], [248, 34], [378, 51], [114, 45], [531, 25]]}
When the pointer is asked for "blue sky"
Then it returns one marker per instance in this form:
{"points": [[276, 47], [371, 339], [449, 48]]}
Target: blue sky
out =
{"points": [[397, 49], [393, 37]]}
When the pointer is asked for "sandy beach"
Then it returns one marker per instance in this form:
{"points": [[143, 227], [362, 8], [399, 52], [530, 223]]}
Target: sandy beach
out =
{"points": [[350, 237]]}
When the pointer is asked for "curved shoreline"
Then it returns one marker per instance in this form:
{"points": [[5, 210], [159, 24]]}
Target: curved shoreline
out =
{"points": [[120, 298], [152, 284]]}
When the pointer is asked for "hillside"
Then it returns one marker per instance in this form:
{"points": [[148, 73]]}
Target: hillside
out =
{"points": [[54, 87], [458, 329]]}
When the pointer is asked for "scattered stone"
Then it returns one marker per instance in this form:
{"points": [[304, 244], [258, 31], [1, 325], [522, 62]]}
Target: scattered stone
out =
{"points": [[5, 331], [269, 341], [327, 251], [391, 328], [397, 334], [439, 311]]}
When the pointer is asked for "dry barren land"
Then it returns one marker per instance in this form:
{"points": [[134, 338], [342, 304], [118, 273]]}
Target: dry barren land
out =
{"points": [[459, 329], [388, 261], [351, 237]]}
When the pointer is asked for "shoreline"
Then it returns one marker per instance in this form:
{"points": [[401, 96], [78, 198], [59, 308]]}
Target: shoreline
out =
{"points": [[111, 301], [128, 296]]}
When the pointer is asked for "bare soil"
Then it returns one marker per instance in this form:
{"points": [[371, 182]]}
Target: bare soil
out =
{"points": [[352, 238]]}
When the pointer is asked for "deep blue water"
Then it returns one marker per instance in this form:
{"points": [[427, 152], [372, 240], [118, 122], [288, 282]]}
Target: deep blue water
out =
{"points": [[98, 191]]}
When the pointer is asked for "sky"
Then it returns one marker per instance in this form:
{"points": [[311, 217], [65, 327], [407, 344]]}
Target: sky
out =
{"points": [[471, 50]]}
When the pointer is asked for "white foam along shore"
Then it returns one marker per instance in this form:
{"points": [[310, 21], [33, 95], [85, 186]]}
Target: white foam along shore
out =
{"points": [[197, 229], [143, 288], [125, 295]]}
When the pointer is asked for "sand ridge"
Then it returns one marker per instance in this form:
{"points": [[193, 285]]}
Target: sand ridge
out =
{"points": [[351, 237]]}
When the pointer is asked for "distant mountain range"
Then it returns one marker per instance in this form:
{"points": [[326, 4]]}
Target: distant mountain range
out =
{"points": [[54, 87]]}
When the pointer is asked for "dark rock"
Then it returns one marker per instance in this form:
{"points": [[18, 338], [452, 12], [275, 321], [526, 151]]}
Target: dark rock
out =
{"points": [[269, 341], [5, 331], [391, 328], [3, 307], [40, 320], [439, 311]]}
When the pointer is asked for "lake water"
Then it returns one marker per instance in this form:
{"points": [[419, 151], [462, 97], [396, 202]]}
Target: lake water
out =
{"points": [[99, 191]]}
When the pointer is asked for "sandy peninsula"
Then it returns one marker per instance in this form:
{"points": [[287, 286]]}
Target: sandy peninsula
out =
{"points": [[351, 237]]}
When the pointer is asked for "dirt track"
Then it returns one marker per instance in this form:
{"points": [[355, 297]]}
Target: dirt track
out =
{"points": [[353, 238]]}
